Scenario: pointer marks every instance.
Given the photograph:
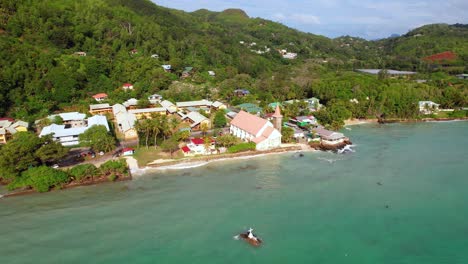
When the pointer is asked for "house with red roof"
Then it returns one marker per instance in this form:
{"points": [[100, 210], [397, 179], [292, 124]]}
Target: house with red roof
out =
{"points": [[127, 86], [197, 146], [128, 151], [252, 128], [446, 56], [100, 97]]}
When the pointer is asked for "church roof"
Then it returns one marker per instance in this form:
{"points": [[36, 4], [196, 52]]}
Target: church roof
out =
{"points": [[248, 122]]}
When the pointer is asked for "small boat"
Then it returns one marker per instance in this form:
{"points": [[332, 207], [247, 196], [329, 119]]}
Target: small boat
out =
{"points": [[255, 241]]}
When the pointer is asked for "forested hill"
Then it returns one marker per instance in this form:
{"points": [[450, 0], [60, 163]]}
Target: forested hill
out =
{"points": [[128, 41], [38, 40]]}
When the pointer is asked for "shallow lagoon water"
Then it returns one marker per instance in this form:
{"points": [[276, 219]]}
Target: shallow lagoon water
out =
{"points": [[399, 198]]}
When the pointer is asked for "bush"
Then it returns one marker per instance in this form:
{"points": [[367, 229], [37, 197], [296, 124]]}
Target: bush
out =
{"points": [[83, 171], [117, 167], [40, 179], [242, 147], [112, 177], [458, 114]]}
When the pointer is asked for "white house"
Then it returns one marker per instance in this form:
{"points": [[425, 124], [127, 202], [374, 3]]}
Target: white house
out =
{"points": [[427, 107], [250, 127], [67, 135], [127, 86], [100, 97], [197, 147], [155, 98]]}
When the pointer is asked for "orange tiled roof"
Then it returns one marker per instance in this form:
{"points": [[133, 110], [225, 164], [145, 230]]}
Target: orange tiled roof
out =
{"points": [[100, 95]]}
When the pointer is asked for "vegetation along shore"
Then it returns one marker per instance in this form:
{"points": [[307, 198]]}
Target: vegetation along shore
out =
{"points": [[84, 86]]}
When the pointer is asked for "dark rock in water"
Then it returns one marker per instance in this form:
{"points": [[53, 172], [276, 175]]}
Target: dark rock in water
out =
{"points": [[379, 183], [326, 147], [387, 206], [301, 155], [258, 187]]}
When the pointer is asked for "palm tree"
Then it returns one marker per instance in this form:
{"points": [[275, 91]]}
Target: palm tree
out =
{"points": [[204, 128], [164, 126], [155, 126], [144, 126], [174, 125]]}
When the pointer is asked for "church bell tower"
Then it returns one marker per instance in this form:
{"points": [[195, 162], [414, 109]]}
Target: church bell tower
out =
{"points": [[277, 118]]}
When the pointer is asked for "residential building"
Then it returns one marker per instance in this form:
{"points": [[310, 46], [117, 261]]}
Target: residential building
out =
{"points": [[131, 103], [273, 105], [125, 122], [216, 105], [126, 125], [241, 92], [127, 86], [80, 53], [8, 127], [427, 107], [68, 135], [462, 76], [100, 97], [204, 104], [251, 108], [169, 106], [197, 146], [195, 120], [167, 67], [211, 73], [252, 128], [71, 119], [329, 137], [304, 121], [147, 112], [128, 151], [100, 109], [200, 103], [155, 98], [392, 73], [118, 108]]}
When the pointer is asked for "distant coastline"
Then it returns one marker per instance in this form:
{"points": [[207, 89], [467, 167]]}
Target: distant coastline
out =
{"points": [[352, 122]]}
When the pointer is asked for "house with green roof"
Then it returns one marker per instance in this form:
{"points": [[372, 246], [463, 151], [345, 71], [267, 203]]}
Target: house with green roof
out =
{"points": [[251, 108]]}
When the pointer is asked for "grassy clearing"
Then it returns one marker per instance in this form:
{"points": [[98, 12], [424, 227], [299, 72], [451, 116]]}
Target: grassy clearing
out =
{"points": [[145, 156]]}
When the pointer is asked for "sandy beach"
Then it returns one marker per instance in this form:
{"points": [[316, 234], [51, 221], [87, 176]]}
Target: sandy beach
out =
{"points": [[352, 122], [195, 162]]}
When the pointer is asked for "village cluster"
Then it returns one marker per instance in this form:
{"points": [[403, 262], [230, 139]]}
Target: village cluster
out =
{"points": [[247, 122]]}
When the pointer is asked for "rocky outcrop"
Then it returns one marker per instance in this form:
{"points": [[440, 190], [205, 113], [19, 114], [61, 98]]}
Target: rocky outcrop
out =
{"points": [[319, 145]]}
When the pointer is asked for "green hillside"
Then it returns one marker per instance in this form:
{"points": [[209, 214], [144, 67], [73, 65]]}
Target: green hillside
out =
{"points": [[128, 41]]}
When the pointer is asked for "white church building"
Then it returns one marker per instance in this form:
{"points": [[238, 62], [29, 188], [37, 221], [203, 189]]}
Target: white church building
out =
{"points": [[252, 128]]}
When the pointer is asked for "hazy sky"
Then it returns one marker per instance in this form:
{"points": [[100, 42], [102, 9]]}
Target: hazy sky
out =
{"points": [[369, 19]]}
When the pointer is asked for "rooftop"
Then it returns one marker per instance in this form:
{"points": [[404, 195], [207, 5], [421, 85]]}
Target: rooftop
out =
{"points": [[248, 122], [392, 72]]}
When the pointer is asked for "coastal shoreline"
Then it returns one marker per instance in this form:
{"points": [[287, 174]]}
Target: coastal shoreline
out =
{"points": [[67, 186], [204, 160], [352, 122], [193, 162]]}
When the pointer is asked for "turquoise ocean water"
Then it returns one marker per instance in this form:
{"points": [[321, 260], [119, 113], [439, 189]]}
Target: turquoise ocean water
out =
{"points": [[401, 197]]}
